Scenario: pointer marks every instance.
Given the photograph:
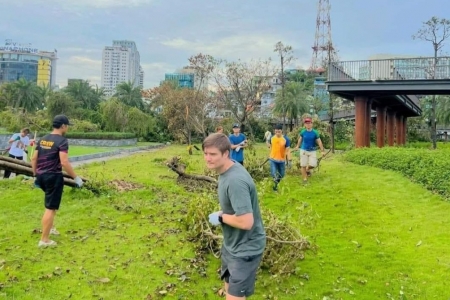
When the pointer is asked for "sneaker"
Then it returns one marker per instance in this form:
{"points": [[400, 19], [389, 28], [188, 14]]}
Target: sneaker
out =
{"points": [[275, 187], [308, 173], [43, 244], [54, 231]]}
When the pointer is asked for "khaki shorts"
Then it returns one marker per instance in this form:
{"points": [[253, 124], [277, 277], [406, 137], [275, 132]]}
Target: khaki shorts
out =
{"points": [[308, 158]]}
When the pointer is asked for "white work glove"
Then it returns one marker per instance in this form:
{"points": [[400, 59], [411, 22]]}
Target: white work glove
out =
{"points": [[237, 149], [214, 218], [78, 181]]}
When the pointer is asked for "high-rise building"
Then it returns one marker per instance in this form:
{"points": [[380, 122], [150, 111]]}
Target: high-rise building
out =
{"points": [[120, 63], [23, 61], [141, 77]]}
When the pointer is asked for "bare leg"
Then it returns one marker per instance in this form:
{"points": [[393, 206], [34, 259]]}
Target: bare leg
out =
{"points": [[47, 223], [304, 175]]}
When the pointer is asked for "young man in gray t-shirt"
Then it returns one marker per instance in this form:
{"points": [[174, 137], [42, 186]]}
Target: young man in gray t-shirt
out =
{"points": [[244, 237]]}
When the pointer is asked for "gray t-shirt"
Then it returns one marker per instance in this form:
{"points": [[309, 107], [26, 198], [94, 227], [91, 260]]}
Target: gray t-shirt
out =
{"points": [[238, 196]]}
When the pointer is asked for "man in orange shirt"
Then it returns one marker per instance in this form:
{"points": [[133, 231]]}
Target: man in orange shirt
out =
{"points": [[279, 147]]}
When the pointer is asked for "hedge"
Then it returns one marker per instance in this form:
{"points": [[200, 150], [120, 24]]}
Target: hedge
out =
{"points": [[100, 135], [430, 168]]}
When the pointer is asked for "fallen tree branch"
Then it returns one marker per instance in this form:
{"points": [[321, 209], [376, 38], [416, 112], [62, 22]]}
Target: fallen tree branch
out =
{"points": [[27, 164], [179, 169]]}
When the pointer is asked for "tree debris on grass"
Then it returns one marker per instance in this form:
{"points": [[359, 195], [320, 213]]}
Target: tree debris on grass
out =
{"points": [[285, 246]]}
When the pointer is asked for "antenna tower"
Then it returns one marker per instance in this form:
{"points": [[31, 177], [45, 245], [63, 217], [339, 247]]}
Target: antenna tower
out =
{"points": [[323, 49]]}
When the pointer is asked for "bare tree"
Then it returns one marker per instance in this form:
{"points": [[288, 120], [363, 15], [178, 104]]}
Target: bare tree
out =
{"points": [[435, 31], [285, 54], [240, 85], [203, 65]]}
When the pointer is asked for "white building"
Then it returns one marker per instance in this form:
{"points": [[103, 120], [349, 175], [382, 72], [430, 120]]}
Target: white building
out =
{"points": [[120, 63]]}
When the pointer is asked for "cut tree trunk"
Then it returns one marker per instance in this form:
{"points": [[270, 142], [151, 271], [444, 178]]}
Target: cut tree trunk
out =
{"points": [[20, 169], [28, 165]]}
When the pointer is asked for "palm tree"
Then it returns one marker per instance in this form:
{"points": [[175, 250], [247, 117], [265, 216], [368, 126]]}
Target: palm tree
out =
{"points": [[26, 96], [45, 92], [83, 93], [293, 104], [129, 95]]}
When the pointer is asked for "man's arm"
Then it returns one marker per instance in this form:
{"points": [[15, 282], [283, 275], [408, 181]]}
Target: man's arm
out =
{"points": [[298, 143], [34, 162], [13, 139], [244, 222], [64, 157], [319, 142]]}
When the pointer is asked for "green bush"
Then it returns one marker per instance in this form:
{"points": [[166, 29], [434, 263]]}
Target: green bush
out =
{"points": [[431, 168], [100, 135]]}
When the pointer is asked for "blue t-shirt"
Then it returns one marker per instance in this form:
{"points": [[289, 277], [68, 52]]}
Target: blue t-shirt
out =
{"points": [[309, 139], [236, 140]]}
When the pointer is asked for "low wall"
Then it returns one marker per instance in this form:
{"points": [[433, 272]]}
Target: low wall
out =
{"points": [[4, 138], [81, 142], [103, 143]]}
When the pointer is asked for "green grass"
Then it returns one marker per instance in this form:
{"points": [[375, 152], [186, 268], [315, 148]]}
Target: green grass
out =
{"points": [[377, 235]]}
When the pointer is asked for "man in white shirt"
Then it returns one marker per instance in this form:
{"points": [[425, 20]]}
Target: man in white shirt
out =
{"points": [[19, 143]]}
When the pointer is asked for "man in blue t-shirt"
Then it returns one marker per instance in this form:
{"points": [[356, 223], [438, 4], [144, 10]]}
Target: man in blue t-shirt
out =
{"points": [[238, 143], [308, 138]]}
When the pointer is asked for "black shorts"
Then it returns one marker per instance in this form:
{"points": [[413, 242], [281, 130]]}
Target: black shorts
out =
{"points": [[53, 185], [239, 273]]}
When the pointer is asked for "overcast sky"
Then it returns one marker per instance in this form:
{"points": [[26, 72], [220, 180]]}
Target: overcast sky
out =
{"points": [[168, 32]]}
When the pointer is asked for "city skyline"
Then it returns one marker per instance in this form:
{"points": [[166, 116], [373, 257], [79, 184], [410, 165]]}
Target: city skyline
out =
{"points": [[167, 33]]}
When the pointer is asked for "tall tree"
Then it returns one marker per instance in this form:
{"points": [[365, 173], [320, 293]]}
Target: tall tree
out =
{"points": [[203, 65], [436, 31], [240, 85], [60, 103], [114, 115], [26, 96], [129, 95], [286, 57], [292, 103], [82, 92]]}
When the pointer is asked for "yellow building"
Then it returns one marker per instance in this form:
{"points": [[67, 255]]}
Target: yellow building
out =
{"points": [[44, 72]]}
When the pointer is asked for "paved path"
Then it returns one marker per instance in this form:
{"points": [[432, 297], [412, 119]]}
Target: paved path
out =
{"points": [[100, 159]]}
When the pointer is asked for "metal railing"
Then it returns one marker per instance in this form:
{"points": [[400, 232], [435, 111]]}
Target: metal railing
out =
{"points": [[390, 69]]}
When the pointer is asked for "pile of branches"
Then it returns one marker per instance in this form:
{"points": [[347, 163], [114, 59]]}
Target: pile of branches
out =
{"points": [[285, 245], [191, 182], [24, 168]]}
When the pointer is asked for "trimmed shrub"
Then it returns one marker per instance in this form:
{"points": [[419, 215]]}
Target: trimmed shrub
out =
{"points": [[430, 168], [100, 135]]}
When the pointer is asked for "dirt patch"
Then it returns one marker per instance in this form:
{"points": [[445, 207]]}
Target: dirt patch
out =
{"points": [[124, 186]]}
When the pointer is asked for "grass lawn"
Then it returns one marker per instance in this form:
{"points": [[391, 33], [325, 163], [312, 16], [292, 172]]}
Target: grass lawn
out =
{"points": [[379, 236]]}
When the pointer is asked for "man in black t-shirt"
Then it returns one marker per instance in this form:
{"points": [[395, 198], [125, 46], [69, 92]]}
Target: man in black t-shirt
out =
{"points": [[50, 156]]}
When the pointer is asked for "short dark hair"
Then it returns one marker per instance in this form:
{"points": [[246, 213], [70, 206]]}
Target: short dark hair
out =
{"points": [[218, 140], [278, 127], [26, 130]]}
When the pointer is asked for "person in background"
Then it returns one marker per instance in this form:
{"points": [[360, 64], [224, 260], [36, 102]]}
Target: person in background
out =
{"points": [[219, 129], [238, 142], [279, 146], [19, 143], [307, 140]]}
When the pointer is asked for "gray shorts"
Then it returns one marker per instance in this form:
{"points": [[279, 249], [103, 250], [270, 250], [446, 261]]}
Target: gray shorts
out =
{"points": [[239, 273]]}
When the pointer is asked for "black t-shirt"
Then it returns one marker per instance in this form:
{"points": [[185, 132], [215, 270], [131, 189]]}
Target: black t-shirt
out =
{"points": [[48, 153]]}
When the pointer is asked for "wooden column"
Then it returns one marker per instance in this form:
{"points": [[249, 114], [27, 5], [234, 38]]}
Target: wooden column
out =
{"points": [[368, 121], [390, 127], [399, 130], [381, 125], [360, 121], [405, 119]]}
